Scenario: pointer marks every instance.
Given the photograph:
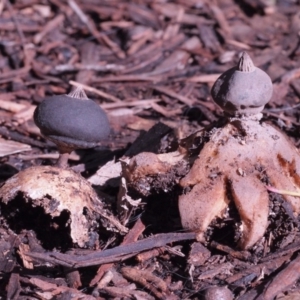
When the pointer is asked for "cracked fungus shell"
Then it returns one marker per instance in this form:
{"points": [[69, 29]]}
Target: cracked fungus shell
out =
{"points": [[55, 190]]}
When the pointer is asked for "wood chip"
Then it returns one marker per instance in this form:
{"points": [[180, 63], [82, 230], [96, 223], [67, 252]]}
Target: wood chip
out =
{"points": [[10, 147]]}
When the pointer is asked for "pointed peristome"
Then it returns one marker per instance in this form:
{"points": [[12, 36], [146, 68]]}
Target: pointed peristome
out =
{"points": [[78, 93], [245, 63], [243, 90]]}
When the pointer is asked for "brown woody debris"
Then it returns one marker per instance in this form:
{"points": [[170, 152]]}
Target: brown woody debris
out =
{"points": [[147, 172], [198, 254], [156, 285]]}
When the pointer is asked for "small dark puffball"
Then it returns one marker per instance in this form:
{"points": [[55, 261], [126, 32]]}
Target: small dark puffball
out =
{"points": [[78, 122], [218, 293], [244, 89]]}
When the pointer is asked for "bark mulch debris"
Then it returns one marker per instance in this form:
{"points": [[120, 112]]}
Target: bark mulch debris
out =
{"points": [[150, 65]]}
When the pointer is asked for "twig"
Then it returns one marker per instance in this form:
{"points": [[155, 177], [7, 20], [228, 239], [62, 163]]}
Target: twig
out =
{"points": [[154, 284], [242, 255], [93, 90], [7, 76], [170, 93], [93, 67], [282, 192], [281, 109], [111, 255], [49, 27], [141, 103], [282, 118], [15, 136], [204, 78], [92, 28], [282, 281], [19, 30], [131, 237], [140, 77], [268, 267], [73, 156]]}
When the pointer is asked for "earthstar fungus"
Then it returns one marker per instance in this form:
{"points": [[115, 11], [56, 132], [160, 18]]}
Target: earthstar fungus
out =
{"points": [[235, 164], [231, 165]]}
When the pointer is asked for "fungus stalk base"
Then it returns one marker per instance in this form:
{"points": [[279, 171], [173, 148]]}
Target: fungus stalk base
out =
{"points": [[64, 153], [62, 161]]}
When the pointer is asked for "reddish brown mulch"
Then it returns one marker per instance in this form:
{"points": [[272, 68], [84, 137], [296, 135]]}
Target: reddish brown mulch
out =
{"points": [[150, 65]]}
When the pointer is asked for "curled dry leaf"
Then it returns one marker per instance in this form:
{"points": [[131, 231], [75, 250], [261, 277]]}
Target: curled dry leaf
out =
{"points": [[108, 174], [235, 159], [148, 172], [56, 190]]}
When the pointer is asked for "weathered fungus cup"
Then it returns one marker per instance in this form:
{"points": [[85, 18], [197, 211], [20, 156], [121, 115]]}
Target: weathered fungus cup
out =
{"points": [[56, 190], [237, 159]]}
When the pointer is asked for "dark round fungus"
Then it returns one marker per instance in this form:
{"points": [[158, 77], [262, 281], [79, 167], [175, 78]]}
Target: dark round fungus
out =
{"points": [[243, 90], [72, 121]]}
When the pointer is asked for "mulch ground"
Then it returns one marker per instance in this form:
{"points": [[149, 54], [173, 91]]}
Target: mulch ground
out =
{"points": [[150, 65]]}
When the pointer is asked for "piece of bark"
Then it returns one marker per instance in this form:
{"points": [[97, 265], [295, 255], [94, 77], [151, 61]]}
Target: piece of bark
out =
{"points": [[7, 252], [111, 255], [13, 287], [282, 281], [73, 278], [198, 254], [242, 278], [209, 38], [154, 284], [89, 56]]}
